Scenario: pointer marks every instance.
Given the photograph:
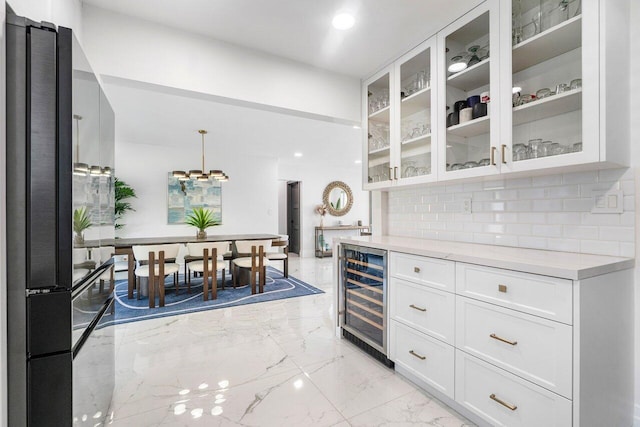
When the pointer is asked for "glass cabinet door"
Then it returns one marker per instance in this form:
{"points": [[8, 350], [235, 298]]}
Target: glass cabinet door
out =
{"points": [[416, 159], [546, 118], [378, 146], [470, 76]]}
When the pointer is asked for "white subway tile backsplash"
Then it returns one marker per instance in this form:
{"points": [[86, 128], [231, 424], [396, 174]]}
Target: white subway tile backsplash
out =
{"points": [[580, 177], [563, 191], [546, 180], [545, 212], [578, 205], [621, 234], [564, 245], [600, 247], [532, 218], [580, 232]]}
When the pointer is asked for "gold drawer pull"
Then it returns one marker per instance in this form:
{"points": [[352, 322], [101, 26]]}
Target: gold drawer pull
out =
{"points": [[416, 269], [495, 337], [503, 403], [502, 288], [413, 353], [417, 308]]}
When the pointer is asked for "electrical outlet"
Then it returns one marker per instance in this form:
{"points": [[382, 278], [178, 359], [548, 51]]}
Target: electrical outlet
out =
{"points": [[607, 202], [466, 206]]}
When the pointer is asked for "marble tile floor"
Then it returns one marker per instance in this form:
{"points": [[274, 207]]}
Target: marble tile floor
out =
{"points": [[277, 363]]}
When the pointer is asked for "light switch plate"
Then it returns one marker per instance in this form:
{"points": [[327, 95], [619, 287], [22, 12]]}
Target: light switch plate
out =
{"points": [[607, 202]]}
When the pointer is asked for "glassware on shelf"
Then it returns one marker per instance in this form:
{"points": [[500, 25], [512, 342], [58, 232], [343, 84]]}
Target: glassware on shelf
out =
{"points": [[562, 87], [484, 162], [456, 166], [577, 147], [536, 148], [576, 84], [546, 148], [520, 152], [543, 93], [470, 164]]}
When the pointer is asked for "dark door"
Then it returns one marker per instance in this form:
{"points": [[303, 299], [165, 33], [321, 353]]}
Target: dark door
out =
{"points": [[293, 216]]}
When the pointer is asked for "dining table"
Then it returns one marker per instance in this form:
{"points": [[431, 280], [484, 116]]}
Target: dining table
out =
{"points": [[123, 247]]}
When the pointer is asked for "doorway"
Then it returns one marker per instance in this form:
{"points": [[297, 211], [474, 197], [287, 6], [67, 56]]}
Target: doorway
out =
{"points": [[293, 216]]}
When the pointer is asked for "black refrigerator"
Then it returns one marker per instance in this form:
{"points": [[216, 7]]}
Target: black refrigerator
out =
{"points": [[60, 231]]}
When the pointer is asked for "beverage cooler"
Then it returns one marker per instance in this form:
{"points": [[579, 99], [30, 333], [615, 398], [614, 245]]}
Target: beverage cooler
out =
{"points": [[363, 299]]}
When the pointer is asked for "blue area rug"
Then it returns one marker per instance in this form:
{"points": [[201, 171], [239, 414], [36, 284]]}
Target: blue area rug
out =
{"points": [[277, 287]]}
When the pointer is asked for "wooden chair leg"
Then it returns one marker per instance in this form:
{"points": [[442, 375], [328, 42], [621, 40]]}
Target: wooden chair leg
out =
{"points": [[261, 268], [223, 279], [138, 286], [205, 276], [161, 279], [152, 280], [286, 267], [175, 281], [112, 282], [214, 273]]}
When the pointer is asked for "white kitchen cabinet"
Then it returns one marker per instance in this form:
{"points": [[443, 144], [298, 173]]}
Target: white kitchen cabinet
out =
{"points": [[504, 45], [398, 147], [545, 45], [513, 348], [468, 148]]}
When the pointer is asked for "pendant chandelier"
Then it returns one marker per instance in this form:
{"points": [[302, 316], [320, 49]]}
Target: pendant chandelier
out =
{"points": [[83, 169], [201, 174]]}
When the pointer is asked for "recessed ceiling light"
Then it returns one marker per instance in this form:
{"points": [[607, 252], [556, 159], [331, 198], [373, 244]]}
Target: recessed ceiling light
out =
{"points": [[357, 162], [297, 154], [343, 21]]}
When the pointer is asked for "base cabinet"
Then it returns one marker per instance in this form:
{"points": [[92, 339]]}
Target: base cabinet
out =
{"points": [[511, 348], [504, 399]]}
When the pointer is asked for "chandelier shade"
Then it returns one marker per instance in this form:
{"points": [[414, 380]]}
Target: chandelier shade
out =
{"points": [[200, 174]]}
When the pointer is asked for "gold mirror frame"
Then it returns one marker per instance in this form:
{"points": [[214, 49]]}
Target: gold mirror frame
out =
{"points": [[327, 192]]}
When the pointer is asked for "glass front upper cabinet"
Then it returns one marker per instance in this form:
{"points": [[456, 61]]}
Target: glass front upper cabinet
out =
{"points": [[469, 80], [546, 117], [378, 113], [416, 158]]}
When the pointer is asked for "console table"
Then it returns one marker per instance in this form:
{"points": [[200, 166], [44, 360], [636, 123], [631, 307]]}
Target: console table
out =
{"points": [[324, 250]]}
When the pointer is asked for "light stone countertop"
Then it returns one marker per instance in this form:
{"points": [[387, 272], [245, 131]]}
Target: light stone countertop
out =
{"points": [[566, 265]]}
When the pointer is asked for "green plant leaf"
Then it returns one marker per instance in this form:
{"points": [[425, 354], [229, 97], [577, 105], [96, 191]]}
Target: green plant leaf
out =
{"points": [[81, 220], [122, 191], [201, 219]]}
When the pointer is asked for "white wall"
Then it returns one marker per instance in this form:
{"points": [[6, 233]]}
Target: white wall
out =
{"points": [[249, 199], [314, 179], [634, 109], [66, 13], [282, 207], [130, 48]]}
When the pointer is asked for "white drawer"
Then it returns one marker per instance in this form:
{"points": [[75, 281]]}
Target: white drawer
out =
{"points": [[534, 348], [429, 310], [480, 387], [428, 359], [543, 296], [433, 272]]}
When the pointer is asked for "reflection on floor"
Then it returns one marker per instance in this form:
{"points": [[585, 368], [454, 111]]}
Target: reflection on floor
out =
{"points": [[271, 364]]}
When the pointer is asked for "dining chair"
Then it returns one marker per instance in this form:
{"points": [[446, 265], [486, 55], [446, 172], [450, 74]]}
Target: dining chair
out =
{"points": [[106, 253], [214, 252], [197, 254], [146, 255], [251, 256], [280, 252]]}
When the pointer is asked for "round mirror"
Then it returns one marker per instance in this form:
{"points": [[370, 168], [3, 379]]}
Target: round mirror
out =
{"points": [[337, 197]]}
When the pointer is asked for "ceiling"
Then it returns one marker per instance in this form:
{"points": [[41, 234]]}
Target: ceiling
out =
{"points": [[153, 116], [301, 30]]}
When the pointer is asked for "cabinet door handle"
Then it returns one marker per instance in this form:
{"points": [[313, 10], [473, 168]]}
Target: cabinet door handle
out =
{"points": [[502, 402], [415, 307], [493, 156], [416, 269], [502, 288], [504, 156], [414, 354], [390, 174], [495, 337], [395, 172]]}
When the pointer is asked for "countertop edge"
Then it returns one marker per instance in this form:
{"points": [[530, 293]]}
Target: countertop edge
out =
{"points": [[612, 265]]}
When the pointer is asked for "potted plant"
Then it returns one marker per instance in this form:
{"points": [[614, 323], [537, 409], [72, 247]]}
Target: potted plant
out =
{"points": [[202, 219], [122, 191], [81, 222]]}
